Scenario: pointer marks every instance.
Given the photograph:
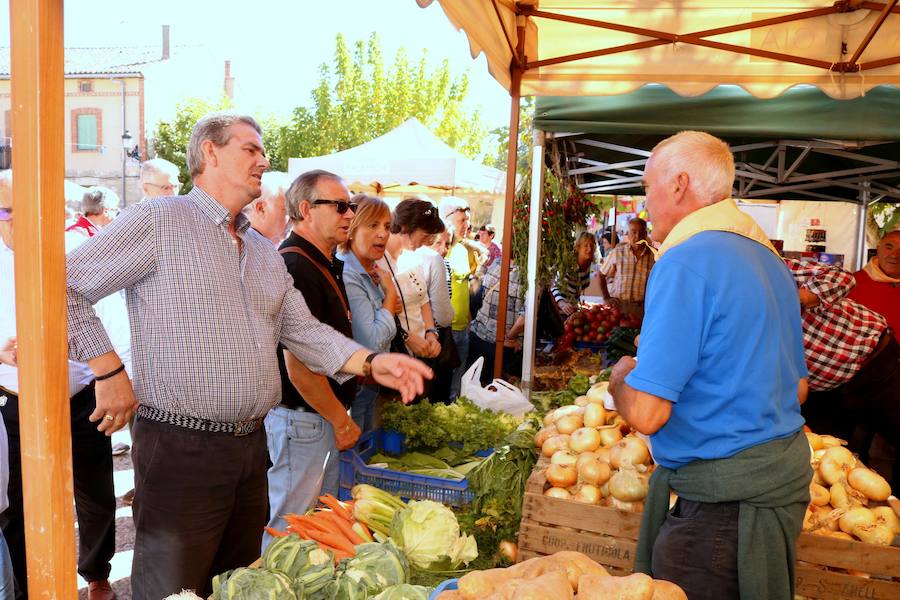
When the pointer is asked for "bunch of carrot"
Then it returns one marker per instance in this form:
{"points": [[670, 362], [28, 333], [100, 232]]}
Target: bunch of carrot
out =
{"points": [[331, 526]]}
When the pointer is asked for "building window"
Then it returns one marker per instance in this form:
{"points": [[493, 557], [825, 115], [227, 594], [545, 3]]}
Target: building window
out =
{"points": [[86, 86], [87, 130]]}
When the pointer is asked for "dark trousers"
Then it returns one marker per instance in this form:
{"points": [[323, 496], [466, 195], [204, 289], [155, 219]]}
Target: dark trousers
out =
{"points": [[95, 499], [867, 404], [512, 360], [697, 549], [200, 506]]}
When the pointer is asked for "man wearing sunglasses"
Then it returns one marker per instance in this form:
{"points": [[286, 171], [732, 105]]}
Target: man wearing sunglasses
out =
{"points": [[214, 301], [305, 465]]}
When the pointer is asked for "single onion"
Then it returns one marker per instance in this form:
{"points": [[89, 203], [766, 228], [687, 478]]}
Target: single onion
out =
{"points": [[602, 453], [838, 495], [560, 493], [569, 423], [557, 442], [630, 450], [886, 515], [550, 418], [509, 551], [581, 401], [834, 534], [829, 441], [584, 457], [876, 533], [593, 471], [637, 506], [835, 464], [820, 496], [815, 442], [856, 517], [870, 483], [628, 486], [596, 392], [544, 434], [588, 494], [609, 435], [563, 457], [820, 517], [584, 439], [562, 475], [594, 415]]}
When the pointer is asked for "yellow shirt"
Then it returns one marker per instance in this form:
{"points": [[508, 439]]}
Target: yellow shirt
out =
{"points": [[462, 265]]}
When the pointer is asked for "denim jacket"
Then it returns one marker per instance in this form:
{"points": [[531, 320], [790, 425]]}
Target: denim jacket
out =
{"points": [[373, 325]]}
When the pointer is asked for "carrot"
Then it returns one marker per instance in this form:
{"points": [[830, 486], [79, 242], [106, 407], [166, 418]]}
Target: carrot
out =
{"points": [[339, 542], [275, 533], [345, 528], [312, 523], [335, 505]]}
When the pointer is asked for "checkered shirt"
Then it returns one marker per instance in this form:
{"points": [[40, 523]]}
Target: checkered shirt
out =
{"points": [[632, 272], [838, 334], [484, 325], [206, 314]]}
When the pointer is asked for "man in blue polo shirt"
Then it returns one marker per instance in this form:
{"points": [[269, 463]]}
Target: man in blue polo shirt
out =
{"points": [[717, 385]]}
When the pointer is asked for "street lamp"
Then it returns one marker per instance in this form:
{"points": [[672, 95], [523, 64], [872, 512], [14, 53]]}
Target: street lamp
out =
{"points": [[126, 143]]}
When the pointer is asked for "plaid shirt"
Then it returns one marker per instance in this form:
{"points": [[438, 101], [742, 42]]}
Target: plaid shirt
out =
{"points": [[206, 314], [632, 272], [838, 334], [485, 323]]}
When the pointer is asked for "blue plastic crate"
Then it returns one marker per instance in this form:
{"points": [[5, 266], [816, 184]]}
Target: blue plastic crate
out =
{"points": [[592, 346], [450, 584], [354, 469]]}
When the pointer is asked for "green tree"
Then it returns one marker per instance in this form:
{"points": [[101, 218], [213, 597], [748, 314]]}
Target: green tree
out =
{"points": [[170, 139], [526, 140], [357, 100]]}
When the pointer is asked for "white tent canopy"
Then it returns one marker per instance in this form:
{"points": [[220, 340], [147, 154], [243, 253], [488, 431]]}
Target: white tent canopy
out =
{"points": [[408, 155], [606, 47]]}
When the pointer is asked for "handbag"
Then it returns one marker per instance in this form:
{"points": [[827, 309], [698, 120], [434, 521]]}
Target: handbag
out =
{"points": [[448, 359]]}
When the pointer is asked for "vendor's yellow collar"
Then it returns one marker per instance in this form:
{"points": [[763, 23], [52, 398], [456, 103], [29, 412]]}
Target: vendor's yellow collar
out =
{"points": [[874, 270], [721, 216]]}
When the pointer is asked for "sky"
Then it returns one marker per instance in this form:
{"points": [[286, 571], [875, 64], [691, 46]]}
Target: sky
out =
{"points": [[276, 46]]}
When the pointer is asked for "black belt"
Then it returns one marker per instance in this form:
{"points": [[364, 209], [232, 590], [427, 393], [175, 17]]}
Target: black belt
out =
{"points": [[238, 429]]}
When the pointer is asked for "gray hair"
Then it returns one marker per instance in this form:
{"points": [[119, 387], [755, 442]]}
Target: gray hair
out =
{"points": [[305, 187], [98, 199], [274, 184], [156, 166], [214, 128]]}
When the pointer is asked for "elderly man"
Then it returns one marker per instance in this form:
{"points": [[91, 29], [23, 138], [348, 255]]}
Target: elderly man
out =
{"points": [[305, 466], [98, 208], [716, 385], [268, 214], [92, 465], [206, 368], [878, 283], [158, 178], [486, 234], [624, 274]]}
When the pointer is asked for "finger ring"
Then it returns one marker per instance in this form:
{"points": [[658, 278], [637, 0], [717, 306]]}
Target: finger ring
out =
{"points": [[109, 418]]}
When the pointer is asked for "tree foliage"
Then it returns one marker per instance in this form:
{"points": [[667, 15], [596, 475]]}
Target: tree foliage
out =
{"points": [[170, 140], [357, 100]]}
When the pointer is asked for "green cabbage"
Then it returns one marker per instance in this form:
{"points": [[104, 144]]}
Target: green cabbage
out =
{"points": [[255, 584], [404, 591], [377, 566], [428, 533], [346, 588]]}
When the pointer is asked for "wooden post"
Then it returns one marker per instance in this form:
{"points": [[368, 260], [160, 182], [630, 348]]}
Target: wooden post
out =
{"points": [[39, 168], [511, 161]]}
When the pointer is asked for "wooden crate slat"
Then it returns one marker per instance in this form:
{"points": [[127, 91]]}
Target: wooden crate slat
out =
{"points": [[846, 554], [586, 517], [606, 550], [827, 585]]}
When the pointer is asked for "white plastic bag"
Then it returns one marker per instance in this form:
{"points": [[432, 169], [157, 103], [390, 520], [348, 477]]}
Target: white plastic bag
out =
{"points": [[498, 396]]}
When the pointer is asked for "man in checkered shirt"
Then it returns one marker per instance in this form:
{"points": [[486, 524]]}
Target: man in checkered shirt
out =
{"points": [[209, 300], [852, 358]]}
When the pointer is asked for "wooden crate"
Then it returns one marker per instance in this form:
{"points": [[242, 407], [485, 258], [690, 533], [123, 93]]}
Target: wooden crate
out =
{"points": [[549, 525], [609, 536]]}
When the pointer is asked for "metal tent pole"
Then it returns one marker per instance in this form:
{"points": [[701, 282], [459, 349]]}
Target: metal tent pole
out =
{"points": [[534, 258]]}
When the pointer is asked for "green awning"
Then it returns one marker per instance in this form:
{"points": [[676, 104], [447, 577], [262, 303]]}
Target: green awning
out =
{"points": [[727, 111]]}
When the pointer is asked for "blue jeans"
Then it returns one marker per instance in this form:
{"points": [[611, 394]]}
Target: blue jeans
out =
{"points": [[298, 443], [362, 411], [6, 572], [461, 338]]}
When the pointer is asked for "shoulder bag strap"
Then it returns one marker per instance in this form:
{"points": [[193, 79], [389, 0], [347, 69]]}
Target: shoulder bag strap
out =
{"points": [[325, 272]]}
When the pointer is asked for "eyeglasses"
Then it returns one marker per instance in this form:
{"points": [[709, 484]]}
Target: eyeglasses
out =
{"points": [[5, 213], [341, 206], [168, 188]]}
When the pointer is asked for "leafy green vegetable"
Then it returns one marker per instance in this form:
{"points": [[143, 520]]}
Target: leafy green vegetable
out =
{"points": [[546, 401], [377, 566], [429, 426], [298, 559], [404, 591], [428, 533], [375, 507], [255, 584], [579, 384], [424, 464], [346, 588]]}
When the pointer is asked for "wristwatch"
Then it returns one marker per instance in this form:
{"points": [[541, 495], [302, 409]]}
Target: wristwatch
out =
{"points": [[367, 364]]}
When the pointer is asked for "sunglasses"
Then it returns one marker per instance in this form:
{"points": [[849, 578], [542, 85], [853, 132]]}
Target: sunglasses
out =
{"points": [[341, 206], [5, 213]]}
